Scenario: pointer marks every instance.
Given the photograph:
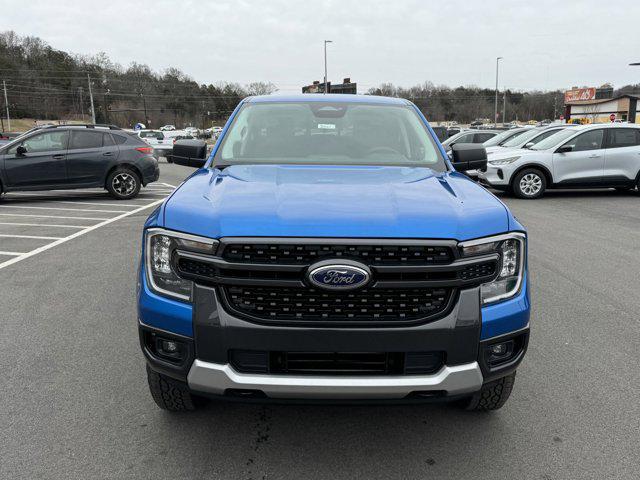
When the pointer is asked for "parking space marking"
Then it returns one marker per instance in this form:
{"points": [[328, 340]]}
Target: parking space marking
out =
{"points": [[43, 225], [96, 203], [13, 254], [51, 216], [84, 230], [64, 209], [31, 237]]}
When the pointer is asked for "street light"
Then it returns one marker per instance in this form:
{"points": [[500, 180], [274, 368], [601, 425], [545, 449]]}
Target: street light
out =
{"points": [[495, 111], [325, 65]]}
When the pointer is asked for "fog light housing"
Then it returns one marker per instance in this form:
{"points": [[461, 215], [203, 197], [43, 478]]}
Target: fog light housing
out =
{"points": [[168, 349], [500, 352], [169, 346]]}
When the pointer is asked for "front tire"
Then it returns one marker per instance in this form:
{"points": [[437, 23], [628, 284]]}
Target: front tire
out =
{"points": [[492, 395], [529, 184], [169, 394], [123, 183]]}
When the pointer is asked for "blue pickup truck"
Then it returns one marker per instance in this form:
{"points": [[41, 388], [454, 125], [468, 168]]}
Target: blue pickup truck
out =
{"points": [[329, 250]]}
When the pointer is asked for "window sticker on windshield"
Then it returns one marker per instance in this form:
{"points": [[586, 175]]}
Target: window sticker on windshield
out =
{"points": [[327, 126]]}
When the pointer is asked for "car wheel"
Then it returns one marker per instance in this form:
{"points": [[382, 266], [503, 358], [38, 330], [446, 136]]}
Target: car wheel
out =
{"points": [[169, 159], [169, 394], [529, 183], [492, 395], [123, 183]]}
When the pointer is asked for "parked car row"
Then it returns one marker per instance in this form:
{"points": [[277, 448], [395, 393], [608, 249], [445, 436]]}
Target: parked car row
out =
{"points": [[599, 155]]}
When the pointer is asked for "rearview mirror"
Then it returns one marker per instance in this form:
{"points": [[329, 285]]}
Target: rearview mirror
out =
{"points": [[190, 153], [468, 156], [21, 150], [565, 149]]}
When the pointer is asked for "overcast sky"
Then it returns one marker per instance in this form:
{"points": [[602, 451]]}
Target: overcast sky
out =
{"points": [[545, 44]]}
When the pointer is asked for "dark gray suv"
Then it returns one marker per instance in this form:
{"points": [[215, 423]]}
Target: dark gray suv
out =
{"points": [[78, 156]]}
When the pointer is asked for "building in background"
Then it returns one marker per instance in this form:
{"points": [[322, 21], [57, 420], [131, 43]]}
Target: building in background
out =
{"points": [[597, 105], [319, 87]]}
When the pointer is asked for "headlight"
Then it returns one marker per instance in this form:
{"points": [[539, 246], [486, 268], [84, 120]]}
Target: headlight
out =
{"points": [[159, 247], [512, 250], [502, 161]]}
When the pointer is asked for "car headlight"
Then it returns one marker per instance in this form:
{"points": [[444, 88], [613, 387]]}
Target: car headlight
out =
{"points": [[512, 250], [160, 244], [502, 161]]}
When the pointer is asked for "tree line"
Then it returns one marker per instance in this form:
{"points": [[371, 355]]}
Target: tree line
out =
{"points": [[45, 83]]}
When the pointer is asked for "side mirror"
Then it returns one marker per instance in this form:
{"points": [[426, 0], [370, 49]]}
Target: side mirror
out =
{"points": [[468, 156], [20, 151], [565, 149], [190, 153], [529, 145]]}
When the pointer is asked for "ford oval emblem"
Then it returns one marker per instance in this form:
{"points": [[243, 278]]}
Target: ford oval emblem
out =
{"points": [[345, 275]]}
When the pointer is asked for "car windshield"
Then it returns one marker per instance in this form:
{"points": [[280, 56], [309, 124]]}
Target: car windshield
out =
{"points": [[158, 135], [553, 140], [454, 138], [522, 139], [499, 138], [328, 133]]}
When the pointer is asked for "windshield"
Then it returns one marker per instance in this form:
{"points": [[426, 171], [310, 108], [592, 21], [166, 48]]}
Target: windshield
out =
{"points": [[501, 138], [456, 137], [522, 139], [330, 134], [553, 140], [158, 135]]}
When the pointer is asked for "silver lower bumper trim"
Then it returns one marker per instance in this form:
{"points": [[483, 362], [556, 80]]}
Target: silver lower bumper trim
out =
{"points": [[215, 378]]}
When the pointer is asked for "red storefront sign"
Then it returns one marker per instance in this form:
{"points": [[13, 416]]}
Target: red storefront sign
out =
{"points": [[579, 94]]}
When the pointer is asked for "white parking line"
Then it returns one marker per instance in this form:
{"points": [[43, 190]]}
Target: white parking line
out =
{"points": [[33, 237], [43, 225], [64, 209], [50, 216], [115, 202], [76, 234], [14, 254]]}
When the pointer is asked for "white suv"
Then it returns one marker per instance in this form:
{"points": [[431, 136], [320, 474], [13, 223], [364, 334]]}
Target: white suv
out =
{"points": [[601, 155]]}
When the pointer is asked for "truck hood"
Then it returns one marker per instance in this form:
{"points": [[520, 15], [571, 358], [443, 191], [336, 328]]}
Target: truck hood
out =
{"points": [[334, 201]]}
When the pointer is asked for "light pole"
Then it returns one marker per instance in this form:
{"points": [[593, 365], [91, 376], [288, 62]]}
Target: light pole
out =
{"points": [[325, 65], [495, 111]]}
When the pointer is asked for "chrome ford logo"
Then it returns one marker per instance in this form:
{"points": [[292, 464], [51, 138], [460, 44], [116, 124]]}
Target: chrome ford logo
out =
{"points": [[345, 275]]}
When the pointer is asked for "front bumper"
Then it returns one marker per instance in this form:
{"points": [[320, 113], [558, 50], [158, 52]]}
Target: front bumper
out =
{"points": [[498, 177], [219, 379], [462, 335]]}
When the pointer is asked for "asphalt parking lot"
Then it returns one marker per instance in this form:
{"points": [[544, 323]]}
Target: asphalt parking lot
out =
{"points": [[75, 402]]}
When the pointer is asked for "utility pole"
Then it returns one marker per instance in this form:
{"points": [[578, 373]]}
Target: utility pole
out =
{"points": [[106, 106], [325, 65], [504, 105], [81, 105], [144, 105], [93, 110], [6, 104], [495, 111]]}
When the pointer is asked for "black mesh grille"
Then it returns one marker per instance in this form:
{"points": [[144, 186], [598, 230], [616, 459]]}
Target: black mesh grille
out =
{"points": [[203, 269], [282, 304], [478, 270], [309, 253], [337, 363]]}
